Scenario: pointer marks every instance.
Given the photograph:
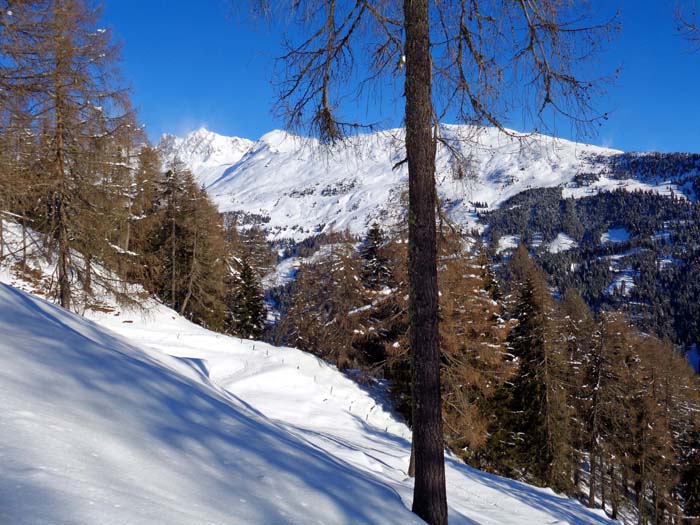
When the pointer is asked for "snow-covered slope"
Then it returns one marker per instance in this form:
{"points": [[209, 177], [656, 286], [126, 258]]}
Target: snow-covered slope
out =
{"points": [[143, 417], [96, 429], [303, 189]]}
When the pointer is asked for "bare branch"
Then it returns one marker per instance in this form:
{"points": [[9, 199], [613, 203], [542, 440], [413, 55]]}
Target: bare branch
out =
{"points": [[688, 26]]}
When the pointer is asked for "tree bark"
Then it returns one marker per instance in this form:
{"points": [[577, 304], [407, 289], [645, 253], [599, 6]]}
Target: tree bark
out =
{"points": [[591, 480], [88, 274], [127, 235], [601, 472], [613, 493], [61, 196], [429, 497], [63, 254], [412, 460], [24, 242], [190, 282], [172, 259]]}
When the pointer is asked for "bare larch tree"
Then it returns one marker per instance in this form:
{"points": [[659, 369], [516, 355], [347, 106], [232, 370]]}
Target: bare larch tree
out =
{"points": [[472, 60], [59, 75]]}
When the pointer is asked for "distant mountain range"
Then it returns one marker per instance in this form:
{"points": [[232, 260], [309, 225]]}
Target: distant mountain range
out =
{"points": [[299, 189]]}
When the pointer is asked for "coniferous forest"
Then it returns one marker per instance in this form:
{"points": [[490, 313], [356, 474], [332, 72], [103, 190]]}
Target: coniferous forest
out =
{"points": [[535, 385]]}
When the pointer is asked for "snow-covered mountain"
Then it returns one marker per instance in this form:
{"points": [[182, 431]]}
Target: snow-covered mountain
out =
{"points": [[298, 188], [206, 153], [142, 417]]}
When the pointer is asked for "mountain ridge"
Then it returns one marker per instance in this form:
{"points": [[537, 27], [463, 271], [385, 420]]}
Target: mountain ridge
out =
{"points": [[299, 189]]}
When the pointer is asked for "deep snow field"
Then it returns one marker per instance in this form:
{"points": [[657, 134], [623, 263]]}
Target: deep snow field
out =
{"points": [[142, 417]]}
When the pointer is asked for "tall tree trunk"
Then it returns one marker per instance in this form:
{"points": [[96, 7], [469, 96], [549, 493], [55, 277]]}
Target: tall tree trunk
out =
{"points": [[24, 242], [61, 195], [88, 274], [412, 460], [2, 238], [63, 255], [127, 235], [639, 489], [639, 495], [613, 493], [190, 281], [658, 518], [591, 481], [172, 261], [601, 471], [429, 498]]}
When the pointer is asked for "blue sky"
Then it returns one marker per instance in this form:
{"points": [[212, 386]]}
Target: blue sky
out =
{"points": [[193, 64]]}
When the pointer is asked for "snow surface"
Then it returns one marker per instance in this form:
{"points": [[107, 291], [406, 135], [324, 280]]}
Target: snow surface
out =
{"points": [[668, 261], [99, 430], [142, 417], [508, 243], [304, 189], [537, 240], [623, 282], [607, 184], [284, 272], [561, 243], [615, 235], [662, 236]]}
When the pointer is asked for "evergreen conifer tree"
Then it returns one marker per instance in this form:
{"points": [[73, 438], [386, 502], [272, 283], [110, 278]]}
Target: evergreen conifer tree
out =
{"points": [[60, 78], [325, 316], [581, 339], [246, 305], [534, 432], [190, 249], [472, 346], [375, 271]]}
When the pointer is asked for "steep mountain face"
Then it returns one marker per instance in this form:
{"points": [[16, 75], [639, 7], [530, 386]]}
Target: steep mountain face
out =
{"points": [[298, 189], [206, 153]]}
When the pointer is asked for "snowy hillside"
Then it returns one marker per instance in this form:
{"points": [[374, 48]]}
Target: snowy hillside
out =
{"points": [[100, 430], [143, 417], [300, 189]]}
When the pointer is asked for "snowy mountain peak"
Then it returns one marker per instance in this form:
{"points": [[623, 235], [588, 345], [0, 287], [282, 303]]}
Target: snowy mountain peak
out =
{"points": [[277, 138], [204, 151]]}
